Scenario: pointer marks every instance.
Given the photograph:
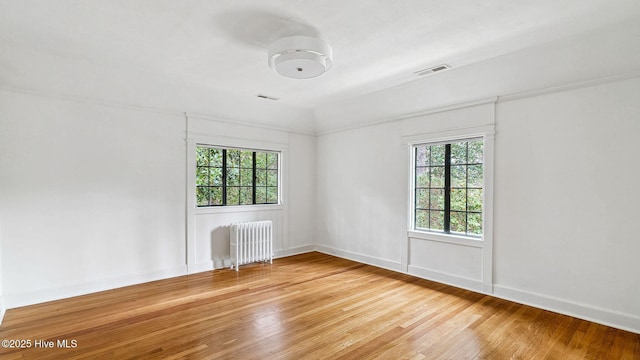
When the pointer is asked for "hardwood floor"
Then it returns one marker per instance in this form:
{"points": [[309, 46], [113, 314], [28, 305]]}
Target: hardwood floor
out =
{"points": [[310, 306]]}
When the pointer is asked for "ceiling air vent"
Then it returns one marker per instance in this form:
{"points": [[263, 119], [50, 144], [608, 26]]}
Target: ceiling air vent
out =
{"points": [[267, 97], [432, 70]]}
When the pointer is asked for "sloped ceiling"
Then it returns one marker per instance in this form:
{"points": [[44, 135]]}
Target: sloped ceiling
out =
{"points": [[210, 56]]}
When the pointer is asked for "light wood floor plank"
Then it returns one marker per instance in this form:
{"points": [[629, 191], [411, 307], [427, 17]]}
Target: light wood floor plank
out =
{"points": [[310, 306]]}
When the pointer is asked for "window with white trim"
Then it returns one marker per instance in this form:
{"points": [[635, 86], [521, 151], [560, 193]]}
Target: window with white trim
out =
{"points": [[233, 176], [448, 187]]}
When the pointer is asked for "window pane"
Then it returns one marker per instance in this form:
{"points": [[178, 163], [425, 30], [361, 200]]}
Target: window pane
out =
{"points": [[474, 200], [272, 161], [437, 154], [459, 153], [246, 195], [474, 223], [437, 220], [437, 177], [437, 199], [475, 152], [202, 196], [422, 219], [233, 195], [465, 201], [261, 160], [475, 176], [272, 195], [243, 169], [233, 158], [215, 157], [215, 176], [459, 176], [459, 199], [272, 177], [246, 159], [233, 177], [216, 195], [246, 177], [202, 176], [422, 198], [261, 195], [458, 222], [202, 156], [261, 177], [422, 177], [422, 156]]}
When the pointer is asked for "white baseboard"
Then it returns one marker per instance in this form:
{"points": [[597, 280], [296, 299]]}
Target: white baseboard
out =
{"points": [[225, 263], [294, 251], [581, 311], [445, 278], [362, 258], [594, 314], [202, 267], [36, 297]]}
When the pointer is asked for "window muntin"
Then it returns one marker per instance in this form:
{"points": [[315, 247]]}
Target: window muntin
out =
{"points": [[231, 176], [448, 190]]}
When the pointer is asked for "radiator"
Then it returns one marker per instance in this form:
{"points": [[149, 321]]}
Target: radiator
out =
{"points": [[251, 242]]}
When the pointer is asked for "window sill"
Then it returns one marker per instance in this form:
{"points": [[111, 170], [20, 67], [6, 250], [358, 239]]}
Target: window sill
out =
{"points": [[446, 238], [238, 208]]}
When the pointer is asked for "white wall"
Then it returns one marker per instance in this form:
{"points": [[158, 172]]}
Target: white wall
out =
{"points": [[2, 306], [565, 202], [301, 197], [362, 178], [92, 197]]}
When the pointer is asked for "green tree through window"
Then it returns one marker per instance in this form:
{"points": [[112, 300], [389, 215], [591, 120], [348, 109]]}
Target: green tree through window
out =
{"points": [[448, 187], [226, 176]]}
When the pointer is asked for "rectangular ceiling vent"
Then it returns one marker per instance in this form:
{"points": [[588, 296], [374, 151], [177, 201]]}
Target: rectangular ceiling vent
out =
{"points": [[261, 96], [432, 70]]}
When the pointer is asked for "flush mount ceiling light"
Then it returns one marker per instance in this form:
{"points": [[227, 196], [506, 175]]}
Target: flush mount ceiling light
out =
{"points": [[300, 57]]}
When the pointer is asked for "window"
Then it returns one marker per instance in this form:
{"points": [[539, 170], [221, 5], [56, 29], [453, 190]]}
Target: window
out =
{"points": [[227, 176], [448, 187]]}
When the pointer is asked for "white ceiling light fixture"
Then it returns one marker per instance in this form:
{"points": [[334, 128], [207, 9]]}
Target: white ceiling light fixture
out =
{"points": [[300, 57]]}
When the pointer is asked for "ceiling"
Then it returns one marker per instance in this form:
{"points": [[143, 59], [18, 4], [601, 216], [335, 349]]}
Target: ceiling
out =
{"points": [[178, 54]]}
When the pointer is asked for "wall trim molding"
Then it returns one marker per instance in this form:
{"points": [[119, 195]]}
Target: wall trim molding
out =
{"points": [[37, 297], [303, 249], [382, 121], [569, 86], [195, 115], [91, 101], [594, 314], [427, 111], [202, 266], [210, 265], [361, 258], [455, 106], [446, 278], [623, 321], [446, 238], [496, 99], [149, 109]]}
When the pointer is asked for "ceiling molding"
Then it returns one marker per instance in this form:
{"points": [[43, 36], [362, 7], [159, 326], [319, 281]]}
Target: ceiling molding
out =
{"points": [[222, 119], [91, 101], [457, 106], [569, 86]]}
